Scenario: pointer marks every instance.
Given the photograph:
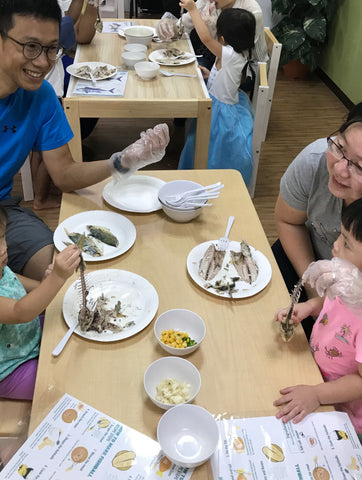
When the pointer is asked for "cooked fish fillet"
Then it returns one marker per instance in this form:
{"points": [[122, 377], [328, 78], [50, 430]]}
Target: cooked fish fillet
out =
{"points": [[245, 264], [211, 262]]}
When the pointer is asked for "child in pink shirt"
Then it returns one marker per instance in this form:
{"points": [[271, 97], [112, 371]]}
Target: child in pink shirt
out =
{"points": [[336, 340]]}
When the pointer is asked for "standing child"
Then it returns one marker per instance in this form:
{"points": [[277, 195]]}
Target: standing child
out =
{"points": [[20, 329], [336, 340], [232, 121]]}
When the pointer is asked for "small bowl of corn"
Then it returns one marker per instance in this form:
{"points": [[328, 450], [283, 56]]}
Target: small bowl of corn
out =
{"points": [[179, 331]]}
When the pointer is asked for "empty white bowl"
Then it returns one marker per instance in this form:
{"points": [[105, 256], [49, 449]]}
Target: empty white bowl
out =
{"points": [[184, 321], [188, 435], [131, 58], [147, 70], [135, 47], [175, 187], [179, 214], [171, 368], [139, 34]]}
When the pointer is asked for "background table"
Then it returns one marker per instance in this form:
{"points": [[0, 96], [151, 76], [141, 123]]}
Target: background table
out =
{"points": [[162, 97], [243, 362]]}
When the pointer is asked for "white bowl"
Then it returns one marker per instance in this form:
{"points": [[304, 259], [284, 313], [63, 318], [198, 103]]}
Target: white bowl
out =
{"points": [[171, 367], [131, 58], [188, 435], [147, 70], [183, 321], [135, 47], [179, 215], [139, 34]]}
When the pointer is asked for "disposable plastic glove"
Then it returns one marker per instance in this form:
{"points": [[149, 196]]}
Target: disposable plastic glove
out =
{"points": [[150, 148], [166, 27], [336, 278], [209, 16]]}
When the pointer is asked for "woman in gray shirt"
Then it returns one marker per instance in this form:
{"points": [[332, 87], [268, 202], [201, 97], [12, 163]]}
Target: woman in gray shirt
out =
{"points": [[323, 178]]}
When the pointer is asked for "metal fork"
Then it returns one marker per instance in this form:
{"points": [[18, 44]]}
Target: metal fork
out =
{"points": [[286, 325], [91, 305], [223, 242]]}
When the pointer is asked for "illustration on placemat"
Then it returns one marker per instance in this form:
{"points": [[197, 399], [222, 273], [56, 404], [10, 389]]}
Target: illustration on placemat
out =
{"points": [[273, 452], [239, 445], [24, 470], [78, 455], [163, 466], [320, 473], [123, 460]]}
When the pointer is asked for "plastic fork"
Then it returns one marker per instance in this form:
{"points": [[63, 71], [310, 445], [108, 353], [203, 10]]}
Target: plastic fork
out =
{"points": [[207, 191], [91, 304], [223, 242], [172, 74], [196, 200]]}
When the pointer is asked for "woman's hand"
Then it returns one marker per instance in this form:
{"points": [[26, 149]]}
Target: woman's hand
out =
{"points": [[297, 402], [66, 262]]}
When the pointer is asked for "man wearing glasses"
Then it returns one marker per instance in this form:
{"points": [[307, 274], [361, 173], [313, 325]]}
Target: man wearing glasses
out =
{"points": [[31, 118], [322, 179]]}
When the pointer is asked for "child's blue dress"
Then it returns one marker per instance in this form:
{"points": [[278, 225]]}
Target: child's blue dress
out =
{"points": [[232, 120]]}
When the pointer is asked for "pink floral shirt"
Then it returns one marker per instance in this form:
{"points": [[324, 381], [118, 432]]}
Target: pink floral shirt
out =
{"points": [[336, 343]]}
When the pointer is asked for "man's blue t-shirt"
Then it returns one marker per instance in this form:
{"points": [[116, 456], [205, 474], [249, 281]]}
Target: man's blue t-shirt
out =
{"points": [[29, 120]]}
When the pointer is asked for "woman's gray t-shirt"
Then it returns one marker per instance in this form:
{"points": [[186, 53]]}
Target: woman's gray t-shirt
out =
{"points": [[304, 186]]}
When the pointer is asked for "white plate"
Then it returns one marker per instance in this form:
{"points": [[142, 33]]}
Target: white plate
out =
{"points": [[138, 193], [72, 69], [227, 271], [121, 32], [139, 301], [119, 225], [156, 57]]}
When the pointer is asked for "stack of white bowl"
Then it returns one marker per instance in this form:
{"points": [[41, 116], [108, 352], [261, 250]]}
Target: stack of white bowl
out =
{"points": [[180, 213]]}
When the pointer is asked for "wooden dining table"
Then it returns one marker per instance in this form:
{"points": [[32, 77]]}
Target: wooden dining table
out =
{"points": [[243, 361], [162, 97]]}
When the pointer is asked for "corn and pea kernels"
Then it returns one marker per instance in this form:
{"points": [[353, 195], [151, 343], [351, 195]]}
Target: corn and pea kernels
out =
{"points": [[174, 338]]}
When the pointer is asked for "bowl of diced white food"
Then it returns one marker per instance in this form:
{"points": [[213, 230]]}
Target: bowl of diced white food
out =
{"points": [[171, 381]]}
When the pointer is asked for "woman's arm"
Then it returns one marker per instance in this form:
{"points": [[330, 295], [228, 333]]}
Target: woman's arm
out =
{"points": [[28, 307], [298, 401], [202, 30], [294, 235]]}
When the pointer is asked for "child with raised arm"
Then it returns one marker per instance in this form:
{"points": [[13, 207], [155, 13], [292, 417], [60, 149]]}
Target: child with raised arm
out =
{"points": [[232, 121], [336, 340], [20, 328]]}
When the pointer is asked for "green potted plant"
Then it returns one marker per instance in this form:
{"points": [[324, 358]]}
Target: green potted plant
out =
{"points": [[303, 29]]}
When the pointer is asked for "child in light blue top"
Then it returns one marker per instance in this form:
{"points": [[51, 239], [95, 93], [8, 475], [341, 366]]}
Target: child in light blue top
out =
{"points": [[21, 301]]}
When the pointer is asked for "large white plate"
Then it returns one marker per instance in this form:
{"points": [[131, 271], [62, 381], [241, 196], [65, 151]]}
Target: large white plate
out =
{"points": [[228, 271], [156, 57], [138, 193], [139, 301], [72, 69], [119, 225]]}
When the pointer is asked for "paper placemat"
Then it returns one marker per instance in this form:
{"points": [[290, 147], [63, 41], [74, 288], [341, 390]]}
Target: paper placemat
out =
{"points": [[76, 442], [111, 87]]}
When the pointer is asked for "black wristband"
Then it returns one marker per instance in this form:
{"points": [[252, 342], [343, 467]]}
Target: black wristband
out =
{"points": [[117, 163]]}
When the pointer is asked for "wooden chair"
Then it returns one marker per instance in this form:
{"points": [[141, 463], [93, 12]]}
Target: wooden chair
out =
{"points": [[259, 105], [274, 51]]}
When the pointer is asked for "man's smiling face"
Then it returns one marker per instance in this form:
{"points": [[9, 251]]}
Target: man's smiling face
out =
{"points": [[16, 70]]}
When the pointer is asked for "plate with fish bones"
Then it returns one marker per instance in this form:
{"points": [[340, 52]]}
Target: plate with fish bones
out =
{"points": [[100, 70], [107, 234], [131, 302], [225, 279]]}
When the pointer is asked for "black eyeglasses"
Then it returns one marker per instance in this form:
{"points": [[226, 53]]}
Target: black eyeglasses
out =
{"points": [[33, 50], [337, 152]]}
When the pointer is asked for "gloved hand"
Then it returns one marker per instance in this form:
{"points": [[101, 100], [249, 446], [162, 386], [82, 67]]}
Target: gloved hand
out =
{"points": [[150, 148], [336, 278], [209, 16], [166, 27]]}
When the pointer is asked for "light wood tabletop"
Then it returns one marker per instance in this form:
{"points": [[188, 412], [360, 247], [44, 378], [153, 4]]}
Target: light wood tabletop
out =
{"points": [[243, 361], [161, 97]]}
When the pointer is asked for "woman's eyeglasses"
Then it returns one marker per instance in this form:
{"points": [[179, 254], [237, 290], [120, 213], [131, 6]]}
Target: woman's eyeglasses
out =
{"points": [[338, 153], [33, 50]]}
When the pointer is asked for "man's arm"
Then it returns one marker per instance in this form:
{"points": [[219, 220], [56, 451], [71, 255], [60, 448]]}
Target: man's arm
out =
{"points": [[69, 175]]}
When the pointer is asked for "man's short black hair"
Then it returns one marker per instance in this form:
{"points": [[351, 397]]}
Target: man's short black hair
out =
{"points": [[44, 9]]}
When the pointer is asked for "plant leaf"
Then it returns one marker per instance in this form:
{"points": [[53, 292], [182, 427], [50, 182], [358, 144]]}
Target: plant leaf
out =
{"points": [[316, 28]]}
